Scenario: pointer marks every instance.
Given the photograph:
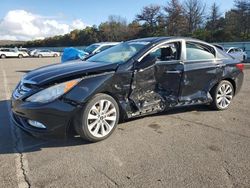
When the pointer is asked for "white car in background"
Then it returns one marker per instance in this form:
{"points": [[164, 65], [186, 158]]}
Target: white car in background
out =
{"points": [[12, 52], [46, 53], [32, 52], [237, 53]]}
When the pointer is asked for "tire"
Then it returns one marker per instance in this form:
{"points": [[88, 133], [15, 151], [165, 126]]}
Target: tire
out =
{"points": [[40, 56], [222, 95], [3, 56], [95, 125], [55, 55], [20, 56]]}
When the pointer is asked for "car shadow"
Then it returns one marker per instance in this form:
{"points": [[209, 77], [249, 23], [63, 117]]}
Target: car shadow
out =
{"points": [[14, 140]]}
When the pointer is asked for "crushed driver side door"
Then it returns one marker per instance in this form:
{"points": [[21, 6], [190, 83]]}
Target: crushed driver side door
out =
{"points": [[157, 78]]}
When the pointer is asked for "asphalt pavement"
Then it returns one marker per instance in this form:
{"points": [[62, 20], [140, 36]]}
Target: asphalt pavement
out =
{"points": [[184, 147]]}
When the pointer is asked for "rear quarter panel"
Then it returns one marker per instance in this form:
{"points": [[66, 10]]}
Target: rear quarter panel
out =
{"points": [[232, 73]]}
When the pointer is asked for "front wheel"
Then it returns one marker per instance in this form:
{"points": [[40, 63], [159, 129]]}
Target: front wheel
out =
{"points": [[3, 56], [222, 95], [99, 118], [20, 56]]}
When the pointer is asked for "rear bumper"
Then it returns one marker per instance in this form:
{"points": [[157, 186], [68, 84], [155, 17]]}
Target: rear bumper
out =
{"points": [[239, 82]]}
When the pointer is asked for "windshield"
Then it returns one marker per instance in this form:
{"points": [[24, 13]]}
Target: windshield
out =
{"points": [[120, 53], [91, 48]]}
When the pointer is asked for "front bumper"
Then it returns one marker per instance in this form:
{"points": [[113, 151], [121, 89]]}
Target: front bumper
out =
{"points": [[56, 116]]}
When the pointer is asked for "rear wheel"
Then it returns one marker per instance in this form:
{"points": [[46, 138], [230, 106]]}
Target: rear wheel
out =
{"points": [[40, 56], [20, 56], [55, 55], [99, 118], [3, 56], [222, 95]]}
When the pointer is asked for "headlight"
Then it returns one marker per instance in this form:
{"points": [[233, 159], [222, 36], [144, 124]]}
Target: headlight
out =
{"points": [[53, 92]]}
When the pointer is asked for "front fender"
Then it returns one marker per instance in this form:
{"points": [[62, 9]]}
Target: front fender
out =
{"points": [[116, 84], [89, 86]]}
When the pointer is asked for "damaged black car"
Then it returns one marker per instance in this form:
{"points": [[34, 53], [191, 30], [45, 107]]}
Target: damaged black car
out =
{"points": [[135, 78]]}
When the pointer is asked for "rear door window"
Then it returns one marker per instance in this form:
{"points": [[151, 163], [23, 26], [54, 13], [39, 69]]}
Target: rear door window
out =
{"points": [[196, 51]]}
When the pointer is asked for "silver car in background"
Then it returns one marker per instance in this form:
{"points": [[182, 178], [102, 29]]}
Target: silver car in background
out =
{"points": [[46, 53], [237, 53]]}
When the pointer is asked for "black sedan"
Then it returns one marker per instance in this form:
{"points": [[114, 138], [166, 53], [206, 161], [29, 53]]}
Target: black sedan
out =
{"points": [[134, 78]]}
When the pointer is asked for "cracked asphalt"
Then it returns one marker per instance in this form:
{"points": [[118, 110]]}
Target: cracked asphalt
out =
{"points": [[184, 147]]}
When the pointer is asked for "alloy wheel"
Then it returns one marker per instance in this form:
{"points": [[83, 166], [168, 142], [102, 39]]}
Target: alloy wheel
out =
{"points": [[224, 95], [101, 118]]}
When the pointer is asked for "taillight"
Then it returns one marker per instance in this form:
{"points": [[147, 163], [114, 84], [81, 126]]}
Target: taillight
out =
{"points": [[240, 66]]}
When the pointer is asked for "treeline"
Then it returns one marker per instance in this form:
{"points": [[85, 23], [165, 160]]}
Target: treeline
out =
{"points": [[191, 18]]}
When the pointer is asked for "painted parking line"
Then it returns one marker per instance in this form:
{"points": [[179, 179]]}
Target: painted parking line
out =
{"points": [[21, 162]]}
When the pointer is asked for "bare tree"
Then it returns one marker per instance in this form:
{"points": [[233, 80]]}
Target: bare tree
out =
{"points": [[117, 19], [214, 18], [150, 15], [194, 13], [175, 19], [115, 29]]}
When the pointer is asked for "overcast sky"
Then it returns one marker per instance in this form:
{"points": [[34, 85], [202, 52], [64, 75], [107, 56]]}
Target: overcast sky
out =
{"points": [[27, 19]]}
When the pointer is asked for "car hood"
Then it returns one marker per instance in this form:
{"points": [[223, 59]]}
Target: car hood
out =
{"points": [[73, 69]]}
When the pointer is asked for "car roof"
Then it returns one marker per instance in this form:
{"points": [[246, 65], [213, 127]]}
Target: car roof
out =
{"points": [[234, 47], [150, 39], [107, 43], [159, 39], [162, 39]]}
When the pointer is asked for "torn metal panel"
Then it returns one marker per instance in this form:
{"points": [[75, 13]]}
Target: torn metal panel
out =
{"points": [[145, 89]]}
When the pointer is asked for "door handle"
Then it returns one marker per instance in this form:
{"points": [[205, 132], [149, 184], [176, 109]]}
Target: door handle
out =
{"points": [[173, 72]]}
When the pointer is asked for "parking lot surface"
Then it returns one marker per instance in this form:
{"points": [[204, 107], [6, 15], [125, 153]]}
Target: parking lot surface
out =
{"points": [[187, 147]]}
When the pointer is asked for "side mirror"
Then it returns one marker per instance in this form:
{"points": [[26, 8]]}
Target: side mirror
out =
{"points": [[147, 61]]}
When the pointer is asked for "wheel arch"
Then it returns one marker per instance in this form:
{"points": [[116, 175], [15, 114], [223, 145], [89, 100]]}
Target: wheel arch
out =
{"points": [[122, 112], [232, 81]]}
